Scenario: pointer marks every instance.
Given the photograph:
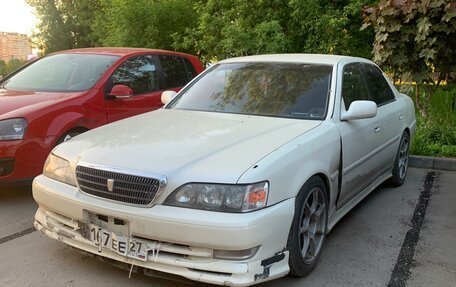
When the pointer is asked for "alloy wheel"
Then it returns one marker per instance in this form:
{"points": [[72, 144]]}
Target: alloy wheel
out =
{"points": [[403, 158], [312, 225]]}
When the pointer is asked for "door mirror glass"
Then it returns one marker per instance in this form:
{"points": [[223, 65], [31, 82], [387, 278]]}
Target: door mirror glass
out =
{"points": [[167, 96], [121, 92], [360, 110]]}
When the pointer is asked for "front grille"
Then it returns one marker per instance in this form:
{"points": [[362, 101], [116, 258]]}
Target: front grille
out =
{"points": [[126, 188]]}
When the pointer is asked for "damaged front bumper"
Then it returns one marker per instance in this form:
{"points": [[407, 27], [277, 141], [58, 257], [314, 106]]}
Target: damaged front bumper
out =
{"points": [[188, 250]]}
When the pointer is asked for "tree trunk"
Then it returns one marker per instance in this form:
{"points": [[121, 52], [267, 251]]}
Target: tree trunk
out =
{"points": [[418, 104]]}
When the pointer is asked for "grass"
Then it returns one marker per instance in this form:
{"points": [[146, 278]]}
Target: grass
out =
{"points": [[436, 136]]}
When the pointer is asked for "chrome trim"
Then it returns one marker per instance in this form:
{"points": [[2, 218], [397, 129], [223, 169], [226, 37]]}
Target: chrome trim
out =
{"points": [[160, 177], [162, 182]]}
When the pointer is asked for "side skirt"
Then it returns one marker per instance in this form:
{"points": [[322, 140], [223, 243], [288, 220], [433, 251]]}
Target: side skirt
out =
{"points": [[332, 221]]}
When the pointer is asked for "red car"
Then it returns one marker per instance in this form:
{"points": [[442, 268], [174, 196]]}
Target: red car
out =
{"points": [[61, 95]]}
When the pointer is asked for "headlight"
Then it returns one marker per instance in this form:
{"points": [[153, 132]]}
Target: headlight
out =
{"points": [[220, 197], [12, 129], [59, 169]]}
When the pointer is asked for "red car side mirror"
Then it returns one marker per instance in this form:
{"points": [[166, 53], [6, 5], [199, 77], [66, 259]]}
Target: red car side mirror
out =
{"points": [[121, 92]]}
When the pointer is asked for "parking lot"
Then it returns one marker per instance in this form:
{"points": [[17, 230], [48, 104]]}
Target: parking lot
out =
{"points": [[376, 244]]}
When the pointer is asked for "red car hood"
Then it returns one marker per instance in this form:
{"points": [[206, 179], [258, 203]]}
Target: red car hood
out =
{"points": [[21, 103]]}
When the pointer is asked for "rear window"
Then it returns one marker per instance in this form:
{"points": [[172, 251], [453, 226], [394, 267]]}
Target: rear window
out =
{"points": [[174, 71], [190, 69], [380, 91]]}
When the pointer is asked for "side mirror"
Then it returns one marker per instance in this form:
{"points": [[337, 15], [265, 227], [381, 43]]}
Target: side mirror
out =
{"points": [[167, 96], [121, 92], [360, 110]]}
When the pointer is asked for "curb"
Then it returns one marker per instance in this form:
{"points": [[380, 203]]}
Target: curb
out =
{"points": [[440, 163]]}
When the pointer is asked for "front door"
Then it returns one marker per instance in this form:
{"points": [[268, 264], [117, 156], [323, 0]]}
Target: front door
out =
{"points": [[140, 73], [359, 138]]}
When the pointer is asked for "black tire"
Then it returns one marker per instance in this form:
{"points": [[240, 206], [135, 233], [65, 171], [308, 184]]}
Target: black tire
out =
{"points": [[400, 165], [316, 219]]}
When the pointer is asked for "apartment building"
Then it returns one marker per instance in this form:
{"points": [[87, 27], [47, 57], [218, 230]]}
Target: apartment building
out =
{"points": [[14, 45]]}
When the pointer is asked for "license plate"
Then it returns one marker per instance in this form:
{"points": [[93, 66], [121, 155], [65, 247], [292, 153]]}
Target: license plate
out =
{"points": [[120, 244]]}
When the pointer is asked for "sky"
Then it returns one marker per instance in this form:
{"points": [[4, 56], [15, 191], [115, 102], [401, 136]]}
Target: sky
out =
{"points": [[16, 16]]}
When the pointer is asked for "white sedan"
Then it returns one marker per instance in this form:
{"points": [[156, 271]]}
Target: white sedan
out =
{"points": [[240, 177]]}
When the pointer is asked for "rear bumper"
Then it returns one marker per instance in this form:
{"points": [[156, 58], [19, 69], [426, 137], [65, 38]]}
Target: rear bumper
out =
{"points": [[188, 237], [23, 159]]}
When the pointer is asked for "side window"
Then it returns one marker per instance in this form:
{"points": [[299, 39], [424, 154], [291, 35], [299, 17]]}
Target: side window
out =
{"points": [[190, 69], [353, 87], [139, 73], [379, 89], [174, 71]]}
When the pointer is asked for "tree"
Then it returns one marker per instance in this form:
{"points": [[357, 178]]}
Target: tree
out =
{"points": [[143, 23], [2, 68], [10, 66], [229, 28], [330, 27], [415, 40], [64, 24]]}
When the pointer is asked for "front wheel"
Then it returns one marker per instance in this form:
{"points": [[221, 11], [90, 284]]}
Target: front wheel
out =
{"points": [[401, 161], [308, 229], [67, 136]]}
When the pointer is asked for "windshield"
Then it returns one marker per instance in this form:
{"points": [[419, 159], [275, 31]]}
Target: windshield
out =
{"points": [[61, 73], [291, 90]]}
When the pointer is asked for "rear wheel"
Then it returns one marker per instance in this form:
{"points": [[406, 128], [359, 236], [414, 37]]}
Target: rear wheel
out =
{"points": [[400, 166], [308, 230]]}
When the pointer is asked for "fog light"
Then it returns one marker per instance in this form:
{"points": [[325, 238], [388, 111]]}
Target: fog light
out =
{"points": [[6, 166], [235, 254]]}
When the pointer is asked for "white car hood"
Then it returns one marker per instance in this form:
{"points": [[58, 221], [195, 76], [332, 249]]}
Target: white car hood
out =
{"points": [[184, 145]]}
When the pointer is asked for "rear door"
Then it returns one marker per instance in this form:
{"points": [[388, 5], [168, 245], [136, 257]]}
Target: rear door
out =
{"points": [[141, 74], [177, 71], [388, 113]]}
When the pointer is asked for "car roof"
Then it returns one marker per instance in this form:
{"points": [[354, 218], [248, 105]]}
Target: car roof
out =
{"points": [[299, 58], [118, 51]]}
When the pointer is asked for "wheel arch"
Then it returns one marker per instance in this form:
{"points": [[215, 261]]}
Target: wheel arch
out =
{"points": [[407, 130], [76, 129], [327, 185]]}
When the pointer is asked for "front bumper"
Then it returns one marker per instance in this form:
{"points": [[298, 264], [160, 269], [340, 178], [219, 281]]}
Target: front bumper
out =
{"points": [[23, 159], [188, 237]]}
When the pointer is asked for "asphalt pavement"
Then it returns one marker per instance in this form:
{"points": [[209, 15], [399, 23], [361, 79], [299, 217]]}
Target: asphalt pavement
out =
{"points": [[402, 236]]}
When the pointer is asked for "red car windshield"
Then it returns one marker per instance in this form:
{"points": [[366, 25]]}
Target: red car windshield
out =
{"points": [[290, 90], [61, 73]]}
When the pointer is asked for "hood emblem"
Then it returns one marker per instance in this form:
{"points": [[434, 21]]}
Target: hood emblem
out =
{"points": [[110, 184]]}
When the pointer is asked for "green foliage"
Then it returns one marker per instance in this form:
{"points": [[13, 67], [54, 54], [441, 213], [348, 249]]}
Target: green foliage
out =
{"points": [[2, 68], [10, 66], [143, 23], [64, 24], [436, 136], [329, 27], [214, 29], [414, 39], [228, 28]]}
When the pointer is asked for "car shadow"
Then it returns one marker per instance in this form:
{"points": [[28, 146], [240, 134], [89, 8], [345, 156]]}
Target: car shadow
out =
{"points": [[15, 193]]}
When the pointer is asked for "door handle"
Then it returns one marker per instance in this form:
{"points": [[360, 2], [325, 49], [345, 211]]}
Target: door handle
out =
{"points": [[377, 129], [401, 117]]}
